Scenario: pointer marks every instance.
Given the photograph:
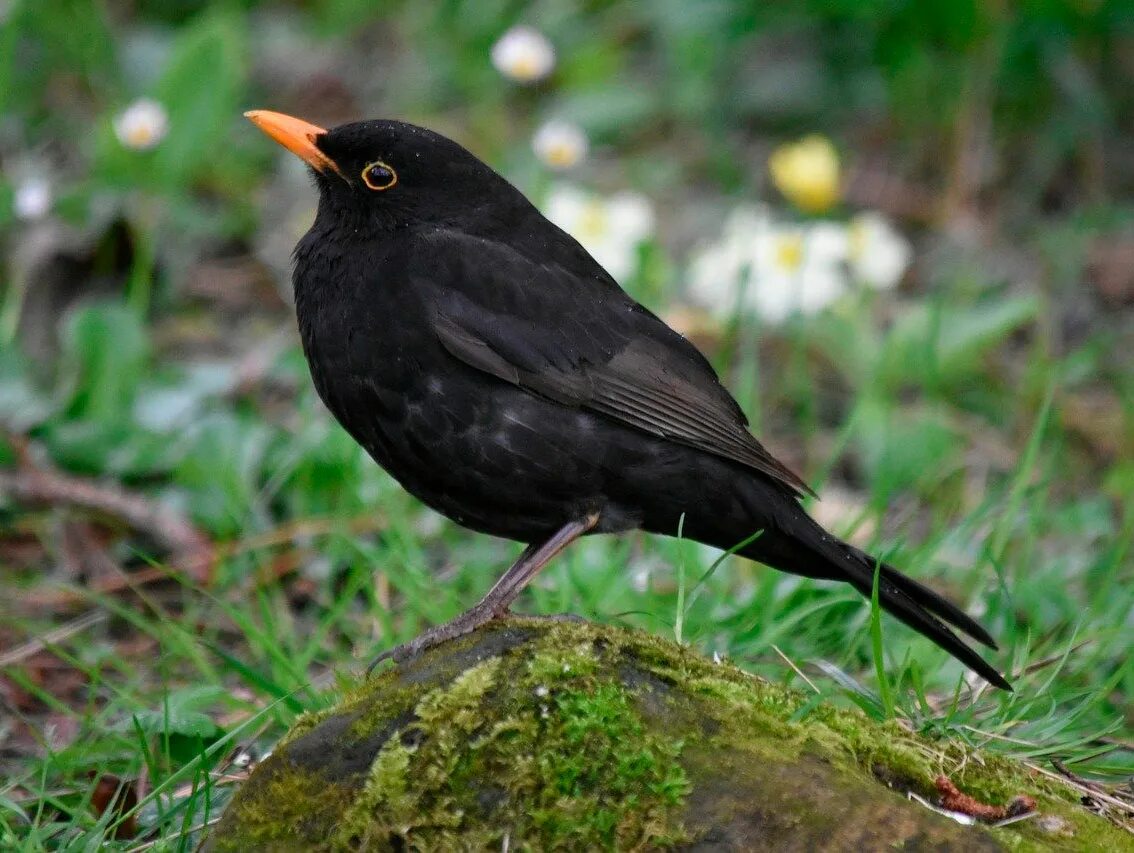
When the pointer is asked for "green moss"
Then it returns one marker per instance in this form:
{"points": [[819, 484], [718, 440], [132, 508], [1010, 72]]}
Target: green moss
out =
{"points": [[569, 762], [411, 773], [288, 806], [305, 723], [574, 736]]}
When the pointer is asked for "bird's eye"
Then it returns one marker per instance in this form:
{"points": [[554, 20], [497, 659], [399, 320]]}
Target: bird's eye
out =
{"points": [[379, 176]]}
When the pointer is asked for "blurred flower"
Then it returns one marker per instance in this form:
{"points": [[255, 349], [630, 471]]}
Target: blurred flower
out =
{"points": [[142, 125], [640, 579], [807, 173], [611, 229], [523, 54], [32, 199], [775, 270], [719, 272], [428, 524], [560, 144], [799, 269], [879, 255]]}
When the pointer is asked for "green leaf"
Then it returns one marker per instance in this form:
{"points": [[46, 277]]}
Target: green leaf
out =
{"points": [[944, 343], [609, 111], [183, 713], [884, 687], [849, 343], [105, 352], [963, 337], [110, 447], [221, 469], [905, 448], [201, 88], [45, 38], [22, 404]]}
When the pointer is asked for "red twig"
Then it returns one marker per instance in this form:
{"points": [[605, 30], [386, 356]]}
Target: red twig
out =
{"points": [[955, 800]]}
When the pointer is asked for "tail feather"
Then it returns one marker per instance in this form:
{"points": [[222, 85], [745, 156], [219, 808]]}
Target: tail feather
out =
{"points": [[813, 552], [923, 618], [936, 604]]}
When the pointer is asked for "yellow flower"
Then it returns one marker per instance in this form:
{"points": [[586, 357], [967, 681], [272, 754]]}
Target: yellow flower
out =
{"points": [[807, 173]]}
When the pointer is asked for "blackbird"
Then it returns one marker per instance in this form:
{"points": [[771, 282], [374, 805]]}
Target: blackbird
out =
{"points": [[499, 373]]}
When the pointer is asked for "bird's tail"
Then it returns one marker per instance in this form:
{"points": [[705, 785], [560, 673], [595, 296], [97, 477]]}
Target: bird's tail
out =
{"points": [[810, 551]]}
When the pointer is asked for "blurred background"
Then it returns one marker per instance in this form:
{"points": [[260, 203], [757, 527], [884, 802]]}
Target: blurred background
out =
{"points": [[903, 232]]}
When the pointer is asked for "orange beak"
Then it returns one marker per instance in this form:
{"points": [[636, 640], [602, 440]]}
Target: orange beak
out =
{"points": [[296, 135]]}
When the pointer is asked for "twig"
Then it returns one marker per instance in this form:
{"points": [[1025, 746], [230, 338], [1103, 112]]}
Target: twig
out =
{"points": [[955, 800], [1053, 659], [302, 528], [103, 586], [35, 482], [795, 668], [281, 535], [1079, 780], [1122, 805], [149, 845], [51, 638], [995, 736]]}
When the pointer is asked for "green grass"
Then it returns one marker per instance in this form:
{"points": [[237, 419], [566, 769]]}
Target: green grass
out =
{"points": [[234, 663], [961, 427]]}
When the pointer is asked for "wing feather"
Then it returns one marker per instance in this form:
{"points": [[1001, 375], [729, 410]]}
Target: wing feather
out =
{"points": [[583, 342]]}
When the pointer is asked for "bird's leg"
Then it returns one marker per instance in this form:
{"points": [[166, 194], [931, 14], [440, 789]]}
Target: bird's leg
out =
{"points": [[498, 599]]}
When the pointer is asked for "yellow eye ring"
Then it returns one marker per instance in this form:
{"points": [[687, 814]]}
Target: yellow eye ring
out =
{"points": [[379, 175]]}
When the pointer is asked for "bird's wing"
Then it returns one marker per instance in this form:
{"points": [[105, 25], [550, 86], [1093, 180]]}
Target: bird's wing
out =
{"points": [[581, 341]]}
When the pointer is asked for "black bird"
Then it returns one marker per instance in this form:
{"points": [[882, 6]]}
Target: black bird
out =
{"points": [[484, 359]]}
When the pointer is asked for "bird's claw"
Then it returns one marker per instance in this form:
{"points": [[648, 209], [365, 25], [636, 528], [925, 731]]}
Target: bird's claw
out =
{"points": [[466, 623], [386, 655]]}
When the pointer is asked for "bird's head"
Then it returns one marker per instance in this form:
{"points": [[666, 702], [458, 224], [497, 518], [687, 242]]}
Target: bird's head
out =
{"points": [[384, 174]]}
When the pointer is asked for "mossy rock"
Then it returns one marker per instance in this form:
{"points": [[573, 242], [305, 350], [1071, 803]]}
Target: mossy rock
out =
{"points": [[539, 734]]}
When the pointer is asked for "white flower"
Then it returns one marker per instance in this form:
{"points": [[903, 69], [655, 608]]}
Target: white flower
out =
{"points": [[798, 269], [720, 272], [774, 270], [142, 125], [611, 229], [879, 254], [560, 144], [32, 199], [523, 54]]}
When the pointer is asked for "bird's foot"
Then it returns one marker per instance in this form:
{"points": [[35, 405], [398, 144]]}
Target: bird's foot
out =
{"points": [[466, 623]]}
